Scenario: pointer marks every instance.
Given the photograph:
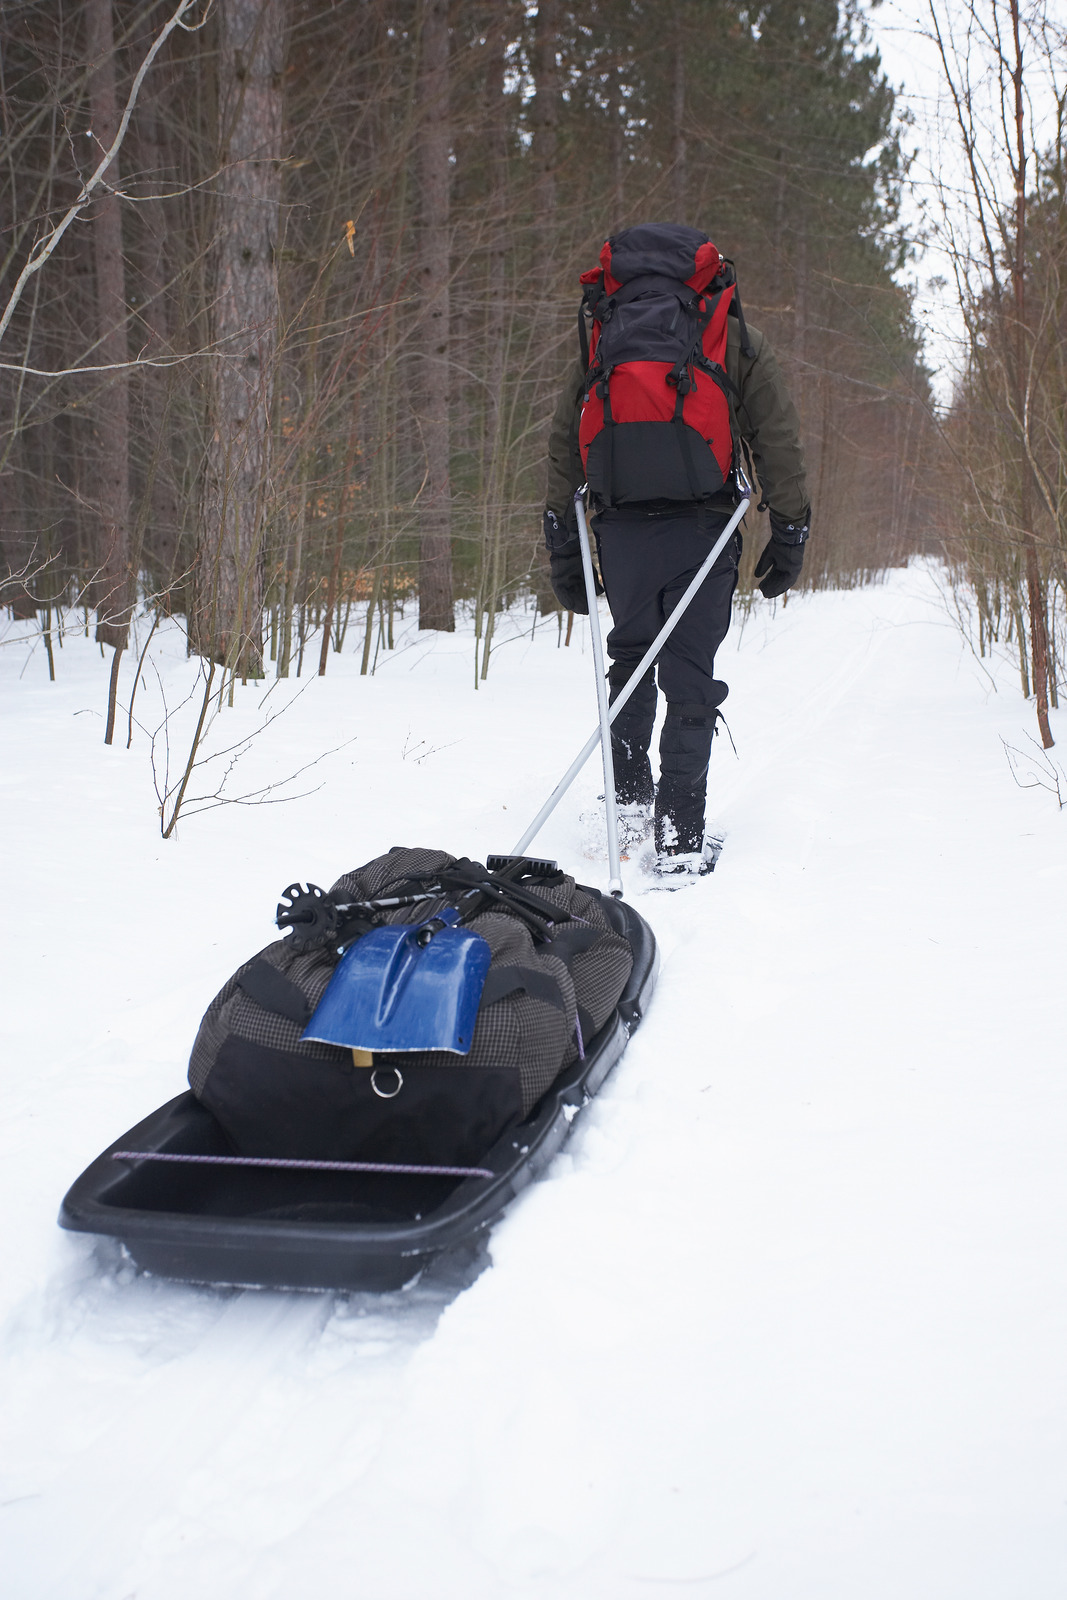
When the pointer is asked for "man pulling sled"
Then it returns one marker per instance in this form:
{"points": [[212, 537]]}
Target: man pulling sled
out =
{"points": [[671, 385]]}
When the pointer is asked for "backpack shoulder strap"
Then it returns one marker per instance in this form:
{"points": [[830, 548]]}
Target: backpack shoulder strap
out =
{"points": [[583, 335], [591, 294]]}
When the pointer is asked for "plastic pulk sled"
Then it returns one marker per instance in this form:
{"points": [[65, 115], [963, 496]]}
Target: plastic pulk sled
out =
{"points": [[186, 1205]]}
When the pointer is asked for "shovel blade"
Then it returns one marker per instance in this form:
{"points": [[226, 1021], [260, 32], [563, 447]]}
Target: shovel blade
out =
{"points": [[391, 993]]}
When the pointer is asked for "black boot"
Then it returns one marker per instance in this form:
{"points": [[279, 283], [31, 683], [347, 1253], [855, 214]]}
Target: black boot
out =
{"points": [[684, 751], [630, 740], [631, 735]]}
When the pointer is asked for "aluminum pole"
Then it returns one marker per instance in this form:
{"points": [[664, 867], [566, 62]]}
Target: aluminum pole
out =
{"points": [[610, 810]]}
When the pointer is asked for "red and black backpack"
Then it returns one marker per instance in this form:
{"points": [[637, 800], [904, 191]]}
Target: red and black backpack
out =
{"points": [[656, 422]]}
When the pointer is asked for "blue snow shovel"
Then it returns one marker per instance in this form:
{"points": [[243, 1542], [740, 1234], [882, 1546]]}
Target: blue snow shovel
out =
{"points": [[406, 988]]}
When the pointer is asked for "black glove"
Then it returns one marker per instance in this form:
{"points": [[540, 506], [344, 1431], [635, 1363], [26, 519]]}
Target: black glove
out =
{"points": [[565, 560], [560, 528], [780, 564], [568, 579]]}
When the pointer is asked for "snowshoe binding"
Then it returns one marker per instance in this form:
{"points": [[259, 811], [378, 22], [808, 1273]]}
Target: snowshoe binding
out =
{"points": [[672, 868]]}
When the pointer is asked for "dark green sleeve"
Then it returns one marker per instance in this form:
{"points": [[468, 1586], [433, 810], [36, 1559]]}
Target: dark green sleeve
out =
{"points": [[769, 423], [565, 473]]}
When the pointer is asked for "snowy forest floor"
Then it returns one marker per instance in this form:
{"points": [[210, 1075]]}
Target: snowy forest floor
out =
{"points": [[786, 1321]]}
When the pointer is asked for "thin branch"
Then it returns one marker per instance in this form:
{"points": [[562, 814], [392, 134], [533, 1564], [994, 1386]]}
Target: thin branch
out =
{"points": [[43, 250]]}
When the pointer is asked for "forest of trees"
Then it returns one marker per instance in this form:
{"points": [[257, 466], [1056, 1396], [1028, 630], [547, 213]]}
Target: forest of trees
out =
{"points": [[288, 359], [1004, 230]]}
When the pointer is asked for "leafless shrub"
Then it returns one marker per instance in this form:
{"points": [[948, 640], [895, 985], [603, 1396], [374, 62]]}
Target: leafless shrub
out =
{"points": [[217, 766], [1035, 769]]}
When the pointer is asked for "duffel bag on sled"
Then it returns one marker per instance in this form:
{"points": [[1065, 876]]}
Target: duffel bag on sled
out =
{"points": [[313, 1151], [553, 968]]}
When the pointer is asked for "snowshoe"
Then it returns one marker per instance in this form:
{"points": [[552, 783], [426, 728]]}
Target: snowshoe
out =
{"points": [[673, 869]]}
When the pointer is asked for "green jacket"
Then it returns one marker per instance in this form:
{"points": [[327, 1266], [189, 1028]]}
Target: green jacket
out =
{"points": [[765, 416]]}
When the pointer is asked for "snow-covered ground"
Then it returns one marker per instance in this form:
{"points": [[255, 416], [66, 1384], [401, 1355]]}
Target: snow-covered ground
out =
{"points": [[787, 1319]]}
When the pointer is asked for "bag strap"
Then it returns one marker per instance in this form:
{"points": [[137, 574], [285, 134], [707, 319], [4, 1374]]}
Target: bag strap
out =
{"points": [[591, 293], [272, 990], [583, 335], [720, 376], [502, 981], [729, 277]]}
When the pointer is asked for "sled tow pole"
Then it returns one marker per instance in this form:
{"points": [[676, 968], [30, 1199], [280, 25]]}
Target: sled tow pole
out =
{"points": [[610, 813]]}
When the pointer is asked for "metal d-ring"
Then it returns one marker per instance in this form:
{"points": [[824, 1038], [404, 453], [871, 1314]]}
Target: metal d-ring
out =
{"points": [[381, 1093]]}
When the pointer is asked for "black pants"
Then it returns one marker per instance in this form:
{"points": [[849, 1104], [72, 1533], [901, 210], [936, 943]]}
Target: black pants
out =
{"points": [[647, 560]]}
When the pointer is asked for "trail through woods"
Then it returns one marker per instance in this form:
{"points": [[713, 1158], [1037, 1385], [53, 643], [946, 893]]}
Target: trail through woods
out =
{"points": [[787, 1316]]}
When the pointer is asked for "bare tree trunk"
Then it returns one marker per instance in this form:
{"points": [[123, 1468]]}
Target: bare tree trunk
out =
{"points": [[546, 119], [160, 511], [432, 385], [495, 295], [17, 544], [339, 541], [229, 571], [679, 183], [618, 149], [16, 540], [800, 302], [1034, 587], [113, 588], [780, 286]]}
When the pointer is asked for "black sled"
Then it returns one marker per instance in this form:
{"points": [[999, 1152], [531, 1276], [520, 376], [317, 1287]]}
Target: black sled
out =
{"points": [[272, 1227]]}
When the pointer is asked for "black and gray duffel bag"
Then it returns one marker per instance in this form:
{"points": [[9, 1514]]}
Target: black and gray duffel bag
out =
{"points": [[557, 970]]}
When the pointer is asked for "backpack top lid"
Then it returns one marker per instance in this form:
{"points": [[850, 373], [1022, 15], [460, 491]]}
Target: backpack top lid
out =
{"points": [[669, 249]]}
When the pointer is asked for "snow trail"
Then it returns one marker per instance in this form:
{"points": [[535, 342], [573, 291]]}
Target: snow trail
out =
{"points": [[787, 1315]]}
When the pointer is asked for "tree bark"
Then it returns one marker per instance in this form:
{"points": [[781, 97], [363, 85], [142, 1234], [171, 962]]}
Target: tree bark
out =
{"points": [[112, 590], [229, 563], [1034, 587], [617, 104], [432, 386], [800, 302], [17, 543], [679, 178], [160, 512], [546, 119]]}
